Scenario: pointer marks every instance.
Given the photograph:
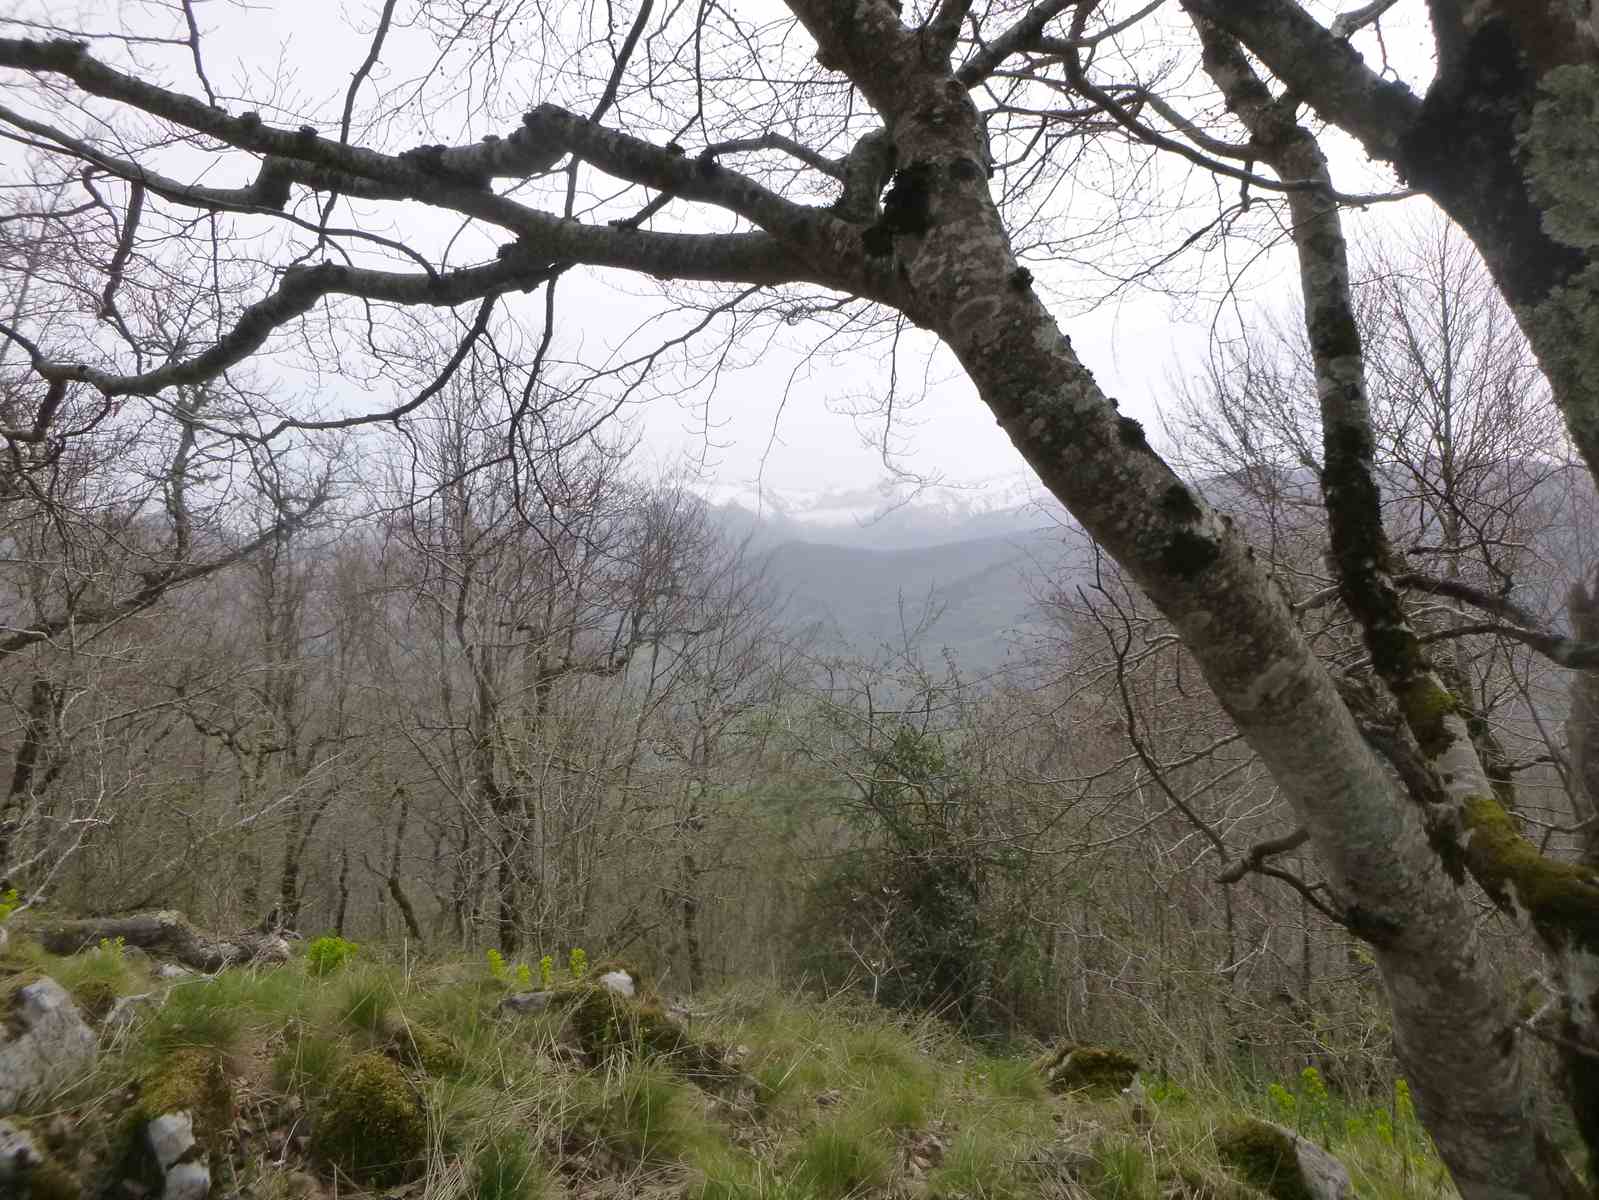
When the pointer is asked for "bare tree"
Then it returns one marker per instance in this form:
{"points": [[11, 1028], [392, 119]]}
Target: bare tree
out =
{"points": [[600, 175]]}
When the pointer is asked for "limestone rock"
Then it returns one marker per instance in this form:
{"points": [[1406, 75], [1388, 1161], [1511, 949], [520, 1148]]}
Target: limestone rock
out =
{"points": [[527, 1002], [1281, 1163], [18, 1154], [1070, 1067], [170, 1136], [619, 982], [176, 1152], [52, 1047], [188, 1181], [126, 1010]]}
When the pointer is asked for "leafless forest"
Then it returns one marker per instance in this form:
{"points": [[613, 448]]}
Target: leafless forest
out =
{"points": [[338, 595]]}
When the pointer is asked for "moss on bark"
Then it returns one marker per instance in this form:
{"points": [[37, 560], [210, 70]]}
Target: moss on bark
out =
{"points": [[1560, 898]]}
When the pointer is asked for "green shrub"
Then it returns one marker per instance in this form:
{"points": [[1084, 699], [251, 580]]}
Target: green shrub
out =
{"points": [[326, 955]]}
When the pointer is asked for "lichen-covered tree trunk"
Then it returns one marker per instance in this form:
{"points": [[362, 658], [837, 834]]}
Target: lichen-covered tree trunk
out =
{"points": [[1582, 723], [1503, 141], [951, 251], [1453, 786]]}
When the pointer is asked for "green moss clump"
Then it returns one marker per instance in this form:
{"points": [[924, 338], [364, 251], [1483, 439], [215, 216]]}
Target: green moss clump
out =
{"points": [[610, 1026], [1070, 1067], [371, 1125], [95, 996], [51, 1181], [192, 1080], [1179, 504], [1570, 352], [1562, 898], [416, 1046], [1265, 1157]]}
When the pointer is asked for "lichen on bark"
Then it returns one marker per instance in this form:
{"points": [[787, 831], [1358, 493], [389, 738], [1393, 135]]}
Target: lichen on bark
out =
{"points": [[1561, 150]]}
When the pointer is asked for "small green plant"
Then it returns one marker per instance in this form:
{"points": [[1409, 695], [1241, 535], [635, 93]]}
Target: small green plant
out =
{"points": [[835, 1161], [1404, 1106], [1382, 1124], [325, 955], [1164, 1090], [307, 1062], [1125, 1172], [112, 948], [9, 902], [547, 972], [496, 965], [524, 975], [505, 1169], [1315, 1106], [1282, 1104], [578, 963]]}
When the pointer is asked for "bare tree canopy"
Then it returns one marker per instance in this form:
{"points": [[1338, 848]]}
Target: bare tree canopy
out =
{"points": [[169, 245]]}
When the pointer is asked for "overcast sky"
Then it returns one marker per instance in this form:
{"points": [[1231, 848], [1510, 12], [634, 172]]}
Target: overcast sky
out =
{"points": [[784, 420]]}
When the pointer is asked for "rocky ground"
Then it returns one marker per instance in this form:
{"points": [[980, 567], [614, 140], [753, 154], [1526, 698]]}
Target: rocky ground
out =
{"points": [[334, 1074]]}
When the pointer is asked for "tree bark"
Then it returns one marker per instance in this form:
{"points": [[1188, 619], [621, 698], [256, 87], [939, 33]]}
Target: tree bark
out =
{"points": [[962, 281], [161, 933]]}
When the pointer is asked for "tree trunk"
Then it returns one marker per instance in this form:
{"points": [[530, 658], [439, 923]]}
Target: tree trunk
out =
{"points": [[1395, 893], [344, 893], [161, 933]]}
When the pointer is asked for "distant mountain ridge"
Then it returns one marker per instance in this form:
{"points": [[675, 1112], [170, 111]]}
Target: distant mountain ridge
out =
{"points": [[864, 567], [889, 516]]}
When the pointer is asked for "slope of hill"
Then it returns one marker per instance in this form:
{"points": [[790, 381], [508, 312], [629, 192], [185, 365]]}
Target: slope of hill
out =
{"points": [[974, 597], [322, 1078]]}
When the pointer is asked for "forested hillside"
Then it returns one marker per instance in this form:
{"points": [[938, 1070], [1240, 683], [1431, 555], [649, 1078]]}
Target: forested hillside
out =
{"points": [[378, 607]]}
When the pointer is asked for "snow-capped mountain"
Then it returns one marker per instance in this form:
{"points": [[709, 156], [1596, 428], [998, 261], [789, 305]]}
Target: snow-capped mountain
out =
{"points": [[893, 515], [860, 565]]}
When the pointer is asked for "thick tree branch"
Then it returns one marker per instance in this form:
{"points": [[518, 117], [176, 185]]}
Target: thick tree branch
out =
{"points": [[1347, 24], [1320, 69]]}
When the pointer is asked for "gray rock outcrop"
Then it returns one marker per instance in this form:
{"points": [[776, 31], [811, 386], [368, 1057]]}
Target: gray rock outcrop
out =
{"points": [[51, 1048], [183, 1168], [18, 1155]]}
